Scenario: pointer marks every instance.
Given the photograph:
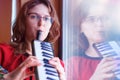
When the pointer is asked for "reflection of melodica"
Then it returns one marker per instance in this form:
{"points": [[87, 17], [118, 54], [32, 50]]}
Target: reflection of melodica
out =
{"points": [[110, 49], [44, 52]]}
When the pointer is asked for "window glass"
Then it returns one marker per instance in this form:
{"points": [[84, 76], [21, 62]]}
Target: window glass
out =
{"points": [[91, 36]]}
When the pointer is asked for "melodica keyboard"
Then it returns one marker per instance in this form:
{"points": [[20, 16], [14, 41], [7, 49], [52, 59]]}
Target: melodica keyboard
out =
{"points": [[44, 52], [109, 49]]}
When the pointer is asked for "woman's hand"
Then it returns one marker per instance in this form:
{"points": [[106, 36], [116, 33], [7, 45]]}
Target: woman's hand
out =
{"points": [[20, 72], [55, 62], [104, 70]]}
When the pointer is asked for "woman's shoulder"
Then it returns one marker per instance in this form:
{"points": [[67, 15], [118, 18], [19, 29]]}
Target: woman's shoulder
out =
{"points": [[83, 57], [5, 46], [77, 56], [74, 59], [6, 49]]}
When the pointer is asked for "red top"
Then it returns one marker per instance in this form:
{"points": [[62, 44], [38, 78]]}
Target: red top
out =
{"points": [[81, 67], [9, 60]]}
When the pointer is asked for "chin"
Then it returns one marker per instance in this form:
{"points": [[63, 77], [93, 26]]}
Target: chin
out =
{"points": [[42, 39], [100, 40]]}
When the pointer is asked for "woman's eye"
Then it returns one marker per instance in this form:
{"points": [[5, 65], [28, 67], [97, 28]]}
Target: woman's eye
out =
{"points": [[33, 16], [46, 18], [91, 18]]}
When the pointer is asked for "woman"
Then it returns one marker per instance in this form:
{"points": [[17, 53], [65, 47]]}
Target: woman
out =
{"points": [[17, 57], [93, 25]]}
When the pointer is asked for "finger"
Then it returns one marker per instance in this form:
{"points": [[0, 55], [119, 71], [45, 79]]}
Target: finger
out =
{"points": [[107, 62], [106, 59], [30, 73], [31, 61], [117, 59], [109, 69], [55, 62], [109, 76], [110, 63]]}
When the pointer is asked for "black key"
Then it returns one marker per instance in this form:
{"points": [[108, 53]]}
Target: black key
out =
{"points": [[109, 54], [51, 71], [48, 66], [49, 78], [46, 47], [104, 48], [45, 54], [46, 61]]}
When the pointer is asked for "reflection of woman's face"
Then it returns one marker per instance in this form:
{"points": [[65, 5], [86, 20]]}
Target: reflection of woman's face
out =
{"points": [[93, 25]]}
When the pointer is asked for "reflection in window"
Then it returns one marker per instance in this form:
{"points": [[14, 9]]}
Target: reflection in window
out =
{"points": [[90, 32]]}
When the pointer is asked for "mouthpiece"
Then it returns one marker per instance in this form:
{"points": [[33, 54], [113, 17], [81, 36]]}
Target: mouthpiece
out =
{"points": [[38, 35]]}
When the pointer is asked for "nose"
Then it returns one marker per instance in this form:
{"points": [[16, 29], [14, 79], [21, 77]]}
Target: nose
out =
{"points": [[41, 22], [99, 25], [99, 22]]}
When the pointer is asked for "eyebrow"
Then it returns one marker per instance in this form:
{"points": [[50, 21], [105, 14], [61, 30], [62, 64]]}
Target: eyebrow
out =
{"points": [[38, 14], [92, 16]]}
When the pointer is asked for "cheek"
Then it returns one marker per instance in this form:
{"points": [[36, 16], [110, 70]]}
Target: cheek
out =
{"points": [[85, 28], [30, 31], [30, 27], [47, 30]]}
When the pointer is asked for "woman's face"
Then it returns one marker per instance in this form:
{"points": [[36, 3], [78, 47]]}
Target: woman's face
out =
{"points": [[38, 18], [93, 26]]}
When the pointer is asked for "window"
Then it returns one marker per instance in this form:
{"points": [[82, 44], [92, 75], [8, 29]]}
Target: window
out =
{"points": [[85, 24]]}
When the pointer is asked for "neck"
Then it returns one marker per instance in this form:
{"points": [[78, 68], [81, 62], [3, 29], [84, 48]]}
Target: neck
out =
{"points": [[91, 51]]}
